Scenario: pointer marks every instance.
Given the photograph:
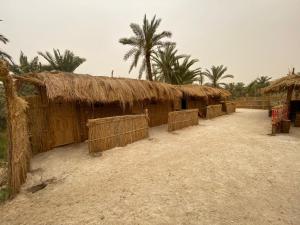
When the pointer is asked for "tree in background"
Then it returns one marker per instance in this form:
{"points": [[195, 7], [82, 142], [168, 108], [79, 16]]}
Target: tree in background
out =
{"points": [[184, 73], [216, 74], [173, 68], [4, 55], [144, 43], [67, 62], [237, 90], [164, 60], [253, 89], [201, 78], [26, 66], [263, 81]]}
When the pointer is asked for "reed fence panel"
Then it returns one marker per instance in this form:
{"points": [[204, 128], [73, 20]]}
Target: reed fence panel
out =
{"points": [[110, 132], [184, 118], [213, 111], [230, 107], [264, 102]]}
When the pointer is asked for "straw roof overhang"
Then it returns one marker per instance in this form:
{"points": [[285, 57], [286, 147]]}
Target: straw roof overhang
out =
{"points": [[200, 91], [283, 84], [86, 88]]}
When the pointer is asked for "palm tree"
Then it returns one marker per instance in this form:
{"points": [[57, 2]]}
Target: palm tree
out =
{"points": [[4, 55], [263, 81], [26, 66], [170, 68], [144, 43], [67, 62], [164, 60], [184, 73], [216, 75], [201, 78]]}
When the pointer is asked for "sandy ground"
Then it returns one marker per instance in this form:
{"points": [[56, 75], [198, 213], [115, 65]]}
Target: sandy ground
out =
{"points": [[224, 171]]}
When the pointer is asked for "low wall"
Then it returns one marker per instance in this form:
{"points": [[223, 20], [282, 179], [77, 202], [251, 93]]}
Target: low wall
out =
{"points": [[180, 119], [262, 102], [110, 132], [213, 111], [230, 107]]}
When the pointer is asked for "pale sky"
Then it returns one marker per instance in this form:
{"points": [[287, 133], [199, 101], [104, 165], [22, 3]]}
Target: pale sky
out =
{"points": [[250, 37]]}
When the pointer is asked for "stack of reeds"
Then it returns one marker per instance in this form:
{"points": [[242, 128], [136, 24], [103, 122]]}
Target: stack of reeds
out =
{"points": [[109, 132], [180, 119]]}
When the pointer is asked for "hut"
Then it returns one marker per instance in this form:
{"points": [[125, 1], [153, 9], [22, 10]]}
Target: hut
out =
{"points": [[58, 114], [290, 85], [198, 96]]}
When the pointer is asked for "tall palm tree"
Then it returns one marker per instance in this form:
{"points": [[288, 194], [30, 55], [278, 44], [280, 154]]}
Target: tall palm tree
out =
{"points": [[164, 61], [26, 66], [174, 68], [144, 43], [67, 62], [216, 74], [4, 55], [184, 73]]}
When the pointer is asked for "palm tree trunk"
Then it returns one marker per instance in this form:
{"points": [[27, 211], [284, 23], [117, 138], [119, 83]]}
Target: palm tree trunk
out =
{"points": [[148, 65]]}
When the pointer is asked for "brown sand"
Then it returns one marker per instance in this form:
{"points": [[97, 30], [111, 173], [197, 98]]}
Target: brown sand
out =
{"points": [[224, 171]]}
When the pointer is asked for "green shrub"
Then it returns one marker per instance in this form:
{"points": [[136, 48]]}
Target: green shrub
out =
{"points": [[4, 194]]}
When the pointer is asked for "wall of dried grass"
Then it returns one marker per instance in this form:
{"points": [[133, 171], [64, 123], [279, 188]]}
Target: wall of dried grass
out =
{"points": [[198, 103], [110, 132], [37, 124], [184, 118], [157, 111], [230, 107], [213, 111]]}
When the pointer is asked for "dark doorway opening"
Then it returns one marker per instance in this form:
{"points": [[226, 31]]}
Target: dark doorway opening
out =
{"points": [[294, 109], [183, 104]]}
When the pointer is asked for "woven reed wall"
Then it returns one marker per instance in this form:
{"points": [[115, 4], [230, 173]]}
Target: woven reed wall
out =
{"points": [[37, 124], [180, 119], [157, 112], [106, 133], [198, 103], [230, 107], [263, 102], [88, 111], [213, 111], [214, 100]]}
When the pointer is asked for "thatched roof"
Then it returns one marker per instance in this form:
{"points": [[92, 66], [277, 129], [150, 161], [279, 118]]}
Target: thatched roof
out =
{"points": [[200, 91], [86, 88], [284, 83], [77, 87]]}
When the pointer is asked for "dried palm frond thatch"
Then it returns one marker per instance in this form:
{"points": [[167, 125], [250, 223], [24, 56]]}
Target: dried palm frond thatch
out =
{"points": [[283, 84], [200, 91], [87, 88]]}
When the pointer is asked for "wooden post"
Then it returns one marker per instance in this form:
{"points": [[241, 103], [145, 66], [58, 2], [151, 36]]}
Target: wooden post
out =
{"points": [[8, 87]]}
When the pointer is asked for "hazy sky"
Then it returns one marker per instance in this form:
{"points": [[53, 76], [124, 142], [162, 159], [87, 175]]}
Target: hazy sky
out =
{"points": [[250, 37]]}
